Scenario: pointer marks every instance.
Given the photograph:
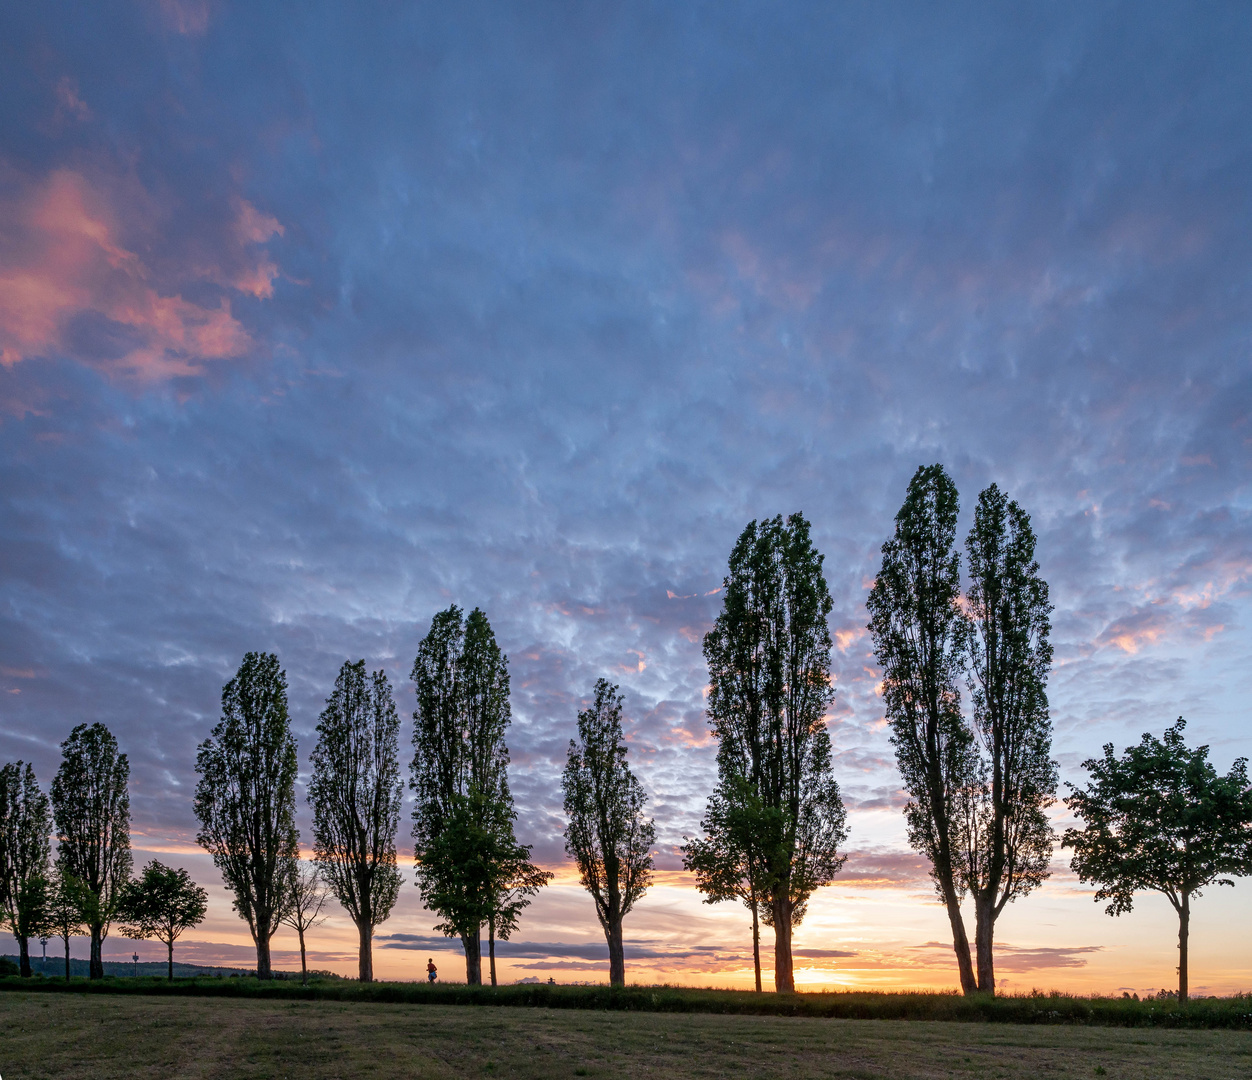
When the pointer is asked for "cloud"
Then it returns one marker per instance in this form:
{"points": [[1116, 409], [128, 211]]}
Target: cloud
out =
{"points": [[68, 283]]}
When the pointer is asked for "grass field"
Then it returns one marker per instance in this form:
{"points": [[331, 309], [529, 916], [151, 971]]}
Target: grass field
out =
{"points": [[96, 1036]]}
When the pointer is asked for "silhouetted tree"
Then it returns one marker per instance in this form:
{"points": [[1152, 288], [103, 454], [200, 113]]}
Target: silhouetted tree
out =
{"points": [[25, 825], [1160, 818], [308, 893], [161, 904], [245, 798], [464, 842], [91, 805], [64, 913], [355, 795], [607, 836], [769, 688], [1006, 838], [514, 880], [726, 860], [918, 631]]}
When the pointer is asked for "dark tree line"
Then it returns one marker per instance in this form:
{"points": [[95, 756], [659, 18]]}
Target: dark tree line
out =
{"points": [[977, 770]]}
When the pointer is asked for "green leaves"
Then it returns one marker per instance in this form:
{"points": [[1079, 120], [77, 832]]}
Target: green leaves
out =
{"points": [[25, 825], [1160, 818], [161, 904]]}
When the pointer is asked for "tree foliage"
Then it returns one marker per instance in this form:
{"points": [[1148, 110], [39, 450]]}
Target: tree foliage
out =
{"points": [[470, 868], [607, 835], [91, 806], [161, 904], [1160, 818], [355, 795], [769, 688], [245, 798], [1005, 837], [918, 632], [25, 827]]}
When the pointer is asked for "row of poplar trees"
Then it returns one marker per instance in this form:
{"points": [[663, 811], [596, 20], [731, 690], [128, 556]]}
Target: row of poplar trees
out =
{"points": [[979, 779]]}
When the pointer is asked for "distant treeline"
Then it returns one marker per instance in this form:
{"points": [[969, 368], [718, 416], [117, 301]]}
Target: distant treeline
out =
{"points": [[964, 661]]}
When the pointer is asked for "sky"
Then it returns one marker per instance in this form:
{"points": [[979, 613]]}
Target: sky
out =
{"points": [[316, 319]]}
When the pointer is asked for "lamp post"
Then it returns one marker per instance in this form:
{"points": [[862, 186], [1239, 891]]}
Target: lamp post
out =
{"points": [[135, 958]]}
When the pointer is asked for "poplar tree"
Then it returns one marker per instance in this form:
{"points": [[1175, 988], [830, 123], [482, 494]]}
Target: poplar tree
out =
{"points": [[465, 848], [355, 796], [245, 798], [25, 825], [918, 632], [1006, 836], [769, 688], [607, 835], [162, 903], [91, 806], [1160, 818]]}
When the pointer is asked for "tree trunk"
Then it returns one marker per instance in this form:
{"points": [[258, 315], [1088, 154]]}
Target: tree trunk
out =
{"points": [[960, 941], [491, 947], [984, 935], [97, 939], [1184, 928], [67, 958], [304, 964], [756, 944], [473, 959], [23, 955], [784, 977], [617, 954], [263, 970], [365, 968], [170, 945]]}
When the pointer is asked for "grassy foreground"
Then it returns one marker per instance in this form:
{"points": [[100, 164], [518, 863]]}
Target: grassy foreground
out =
{"points": [[94, 1037], [1233, 1012]]}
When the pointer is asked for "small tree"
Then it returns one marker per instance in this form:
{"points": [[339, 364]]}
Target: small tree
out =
{"points": [[1160, 818], [726, 860], [25, 824], [307, 893], [65, 911], [91, 805], [607, 836], [245, 798], [161, 904], [514, 879], [355, 795]]}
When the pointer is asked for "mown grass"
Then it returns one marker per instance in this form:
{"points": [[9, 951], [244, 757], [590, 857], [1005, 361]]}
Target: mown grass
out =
{"points": [[102, 1037], [1232, 1012]]}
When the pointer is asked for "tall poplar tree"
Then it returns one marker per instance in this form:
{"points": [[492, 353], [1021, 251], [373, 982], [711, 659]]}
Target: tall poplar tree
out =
{"points": [[91, 806], [607, 835], [1160, 818], [355, 796], [25, 825], [1007, 839], [245, 798], [918, 630], [769, 687], [463, 820]]}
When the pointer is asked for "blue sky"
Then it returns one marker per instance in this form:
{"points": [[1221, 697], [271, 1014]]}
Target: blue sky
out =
{"points": [[315, 320]]}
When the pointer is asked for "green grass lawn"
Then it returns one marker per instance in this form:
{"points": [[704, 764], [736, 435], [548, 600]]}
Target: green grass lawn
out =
{"points": [[96, 1036]]}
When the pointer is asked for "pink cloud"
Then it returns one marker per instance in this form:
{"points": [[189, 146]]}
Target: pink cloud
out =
{"points": [[63, 258]]}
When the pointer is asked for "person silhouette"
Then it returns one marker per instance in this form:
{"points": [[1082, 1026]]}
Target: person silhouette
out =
{"points": [[432, 972]]}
